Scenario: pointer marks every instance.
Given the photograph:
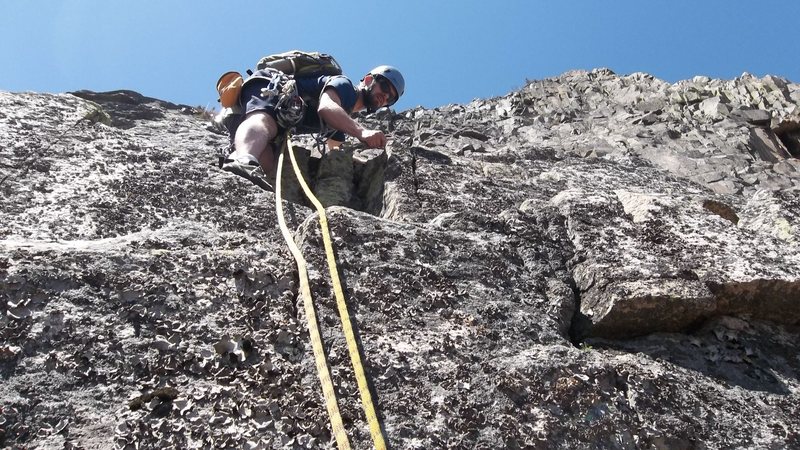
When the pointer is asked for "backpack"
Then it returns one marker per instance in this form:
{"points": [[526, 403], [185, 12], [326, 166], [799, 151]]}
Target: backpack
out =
{"points": [[295, 62], [301, 64]]}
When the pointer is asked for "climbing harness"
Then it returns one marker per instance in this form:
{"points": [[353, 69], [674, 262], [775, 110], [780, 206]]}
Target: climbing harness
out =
{"points": [[313, 327]]}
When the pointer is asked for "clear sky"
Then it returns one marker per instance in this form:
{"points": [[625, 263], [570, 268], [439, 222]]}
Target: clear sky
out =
{"points": [[450, 51]]}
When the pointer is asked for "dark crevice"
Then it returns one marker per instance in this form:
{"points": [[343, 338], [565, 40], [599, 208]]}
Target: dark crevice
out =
{"points": [[722, 210], [791, 140], [414, 172], [580, 323]]}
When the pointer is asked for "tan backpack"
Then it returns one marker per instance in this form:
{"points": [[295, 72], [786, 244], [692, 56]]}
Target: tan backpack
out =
{"points": [[296, 62]]}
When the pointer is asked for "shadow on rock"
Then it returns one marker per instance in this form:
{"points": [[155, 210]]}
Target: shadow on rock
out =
{"points": [[752, 355]]}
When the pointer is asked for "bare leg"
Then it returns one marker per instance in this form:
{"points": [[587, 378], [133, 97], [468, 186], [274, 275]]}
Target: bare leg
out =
{"points": [[253, 137]]}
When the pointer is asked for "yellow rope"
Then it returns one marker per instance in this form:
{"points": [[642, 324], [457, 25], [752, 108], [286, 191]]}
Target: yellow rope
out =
{"points": [[352, 346], [313, 328]]}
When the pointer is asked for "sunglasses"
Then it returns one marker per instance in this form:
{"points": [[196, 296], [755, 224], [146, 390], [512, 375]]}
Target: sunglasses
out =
{"points": [[387, 88]]}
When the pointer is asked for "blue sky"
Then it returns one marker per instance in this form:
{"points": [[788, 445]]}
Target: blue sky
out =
{"points": [[449, 51]]}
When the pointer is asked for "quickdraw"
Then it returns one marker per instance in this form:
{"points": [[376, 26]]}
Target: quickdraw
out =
{"points": [[313, 327]]}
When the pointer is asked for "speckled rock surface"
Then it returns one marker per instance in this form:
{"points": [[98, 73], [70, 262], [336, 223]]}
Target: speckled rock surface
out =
{"points": [[593, 261]]}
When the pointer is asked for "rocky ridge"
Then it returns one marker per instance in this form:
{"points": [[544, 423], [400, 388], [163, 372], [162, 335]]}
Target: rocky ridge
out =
{"points": [[591, 261]]}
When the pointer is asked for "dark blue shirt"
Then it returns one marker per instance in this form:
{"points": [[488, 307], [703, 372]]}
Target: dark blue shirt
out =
{"points": [[311, 89]]}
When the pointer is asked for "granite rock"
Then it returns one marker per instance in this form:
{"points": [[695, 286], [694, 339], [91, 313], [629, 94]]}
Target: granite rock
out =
{"points": [[591, 261]]}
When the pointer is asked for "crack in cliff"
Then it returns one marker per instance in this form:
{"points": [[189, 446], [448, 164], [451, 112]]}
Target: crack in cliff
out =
{"points": [[414, 174]]}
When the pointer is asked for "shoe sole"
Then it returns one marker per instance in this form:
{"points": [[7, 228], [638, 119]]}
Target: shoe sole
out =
{"points": [[241, 170]]}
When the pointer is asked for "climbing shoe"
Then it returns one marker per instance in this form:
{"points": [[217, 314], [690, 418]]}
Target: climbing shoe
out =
{"points": [[249, 170]]}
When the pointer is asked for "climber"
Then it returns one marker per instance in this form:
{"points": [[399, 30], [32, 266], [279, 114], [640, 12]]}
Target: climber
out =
{"points": [[329, 102]]}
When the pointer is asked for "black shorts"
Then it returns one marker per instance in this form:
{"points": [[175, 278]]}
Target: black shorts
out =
{"points": [[251, 98]]}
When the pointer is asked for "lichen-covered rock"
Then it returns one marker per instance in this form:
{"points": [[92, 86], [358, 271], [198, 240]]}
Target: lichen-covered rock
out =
{"points": [[592, 261]]}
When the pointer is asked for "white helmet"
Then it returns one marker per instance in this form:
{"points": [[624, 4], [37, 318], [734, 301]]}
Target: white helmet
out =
{"points": [[394, 76]]}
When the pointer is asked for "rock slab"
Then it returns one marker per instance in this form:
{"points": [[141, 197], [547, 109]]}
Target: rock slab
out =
{"points": [[592, 261]]}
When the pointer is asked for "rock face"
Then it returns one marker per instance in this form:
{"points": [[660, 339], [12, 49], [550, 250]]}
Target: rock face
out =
{"points": [[593, 261]]}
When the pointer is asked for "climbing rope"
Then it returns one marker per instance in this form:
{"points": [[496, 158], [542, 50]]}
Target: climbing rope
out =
{"points": [[352, 345], [313, 327]]}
